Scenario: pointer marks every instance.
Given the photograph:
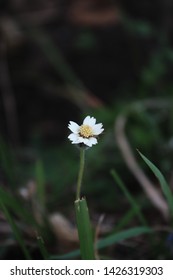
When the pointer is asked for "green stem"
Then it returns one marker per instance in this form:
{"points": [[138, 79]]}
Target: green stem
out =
{"points": [[81, 171]]}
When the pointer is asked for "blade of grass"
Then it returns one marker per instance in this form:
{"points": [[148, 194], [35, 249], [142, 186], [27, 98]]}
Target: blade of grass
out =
{"points": [[117, 237], [84, 230], [125, 220], [130, 198], [16, 231], [67, 256], [109, 240], [165, 187]]}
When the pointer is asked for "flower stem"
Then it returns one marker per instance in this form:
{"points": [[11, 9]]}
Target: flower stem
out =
{"points": [[81, 171]]}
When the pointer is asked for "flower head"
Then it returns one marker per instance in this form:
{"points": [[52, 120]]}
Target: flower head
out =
{"points": [[86, 133]]}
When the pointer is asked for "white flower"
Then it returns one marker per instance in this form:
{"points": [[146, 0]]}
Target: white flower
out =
{"points": [[86, 133]]}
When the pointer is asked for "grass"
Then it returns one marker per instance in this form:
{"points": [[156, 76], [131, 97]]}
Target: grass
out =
{"points": [[135, 206], [164, 185], [16, 231], [123, 230], [54, 175]]}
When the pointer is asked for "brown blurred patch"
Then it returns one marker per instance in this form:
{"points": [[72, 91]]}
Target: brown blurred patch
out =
{"points": [[94, 12]]}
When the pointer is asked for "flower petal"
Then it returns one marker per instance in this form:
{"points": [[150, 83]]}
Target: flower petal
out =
{"points": [[91, 141], [97, 129], [89, 121], [74, 127], [73, 137], [86, 141]]}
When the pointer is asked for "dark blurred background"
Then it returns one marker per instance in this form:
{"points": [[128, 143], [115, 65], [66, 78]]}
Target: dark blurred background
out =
{"points": [[61, 60]]}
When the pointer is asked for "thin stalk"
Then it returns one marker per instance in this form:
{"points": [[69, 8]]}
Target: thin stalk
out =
{"points": [[81, 171]]}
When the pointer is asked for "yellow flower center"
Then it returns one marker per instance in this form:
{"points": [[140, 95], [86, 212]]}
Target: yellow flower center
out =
{"points": [[86, 131]]}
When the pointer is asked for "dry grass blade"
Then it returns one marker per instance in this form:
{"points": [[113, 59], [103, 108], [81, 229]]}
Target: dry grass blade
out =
{"points": [[153, 194]]}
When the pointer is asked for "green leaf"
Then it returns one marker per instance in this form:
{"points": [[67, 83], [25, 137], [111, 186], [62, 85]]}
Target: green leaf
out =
{"points": [[109, 240], [84, 230], [125, 220], [66, 256], [117, 237], [165, 187]]}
